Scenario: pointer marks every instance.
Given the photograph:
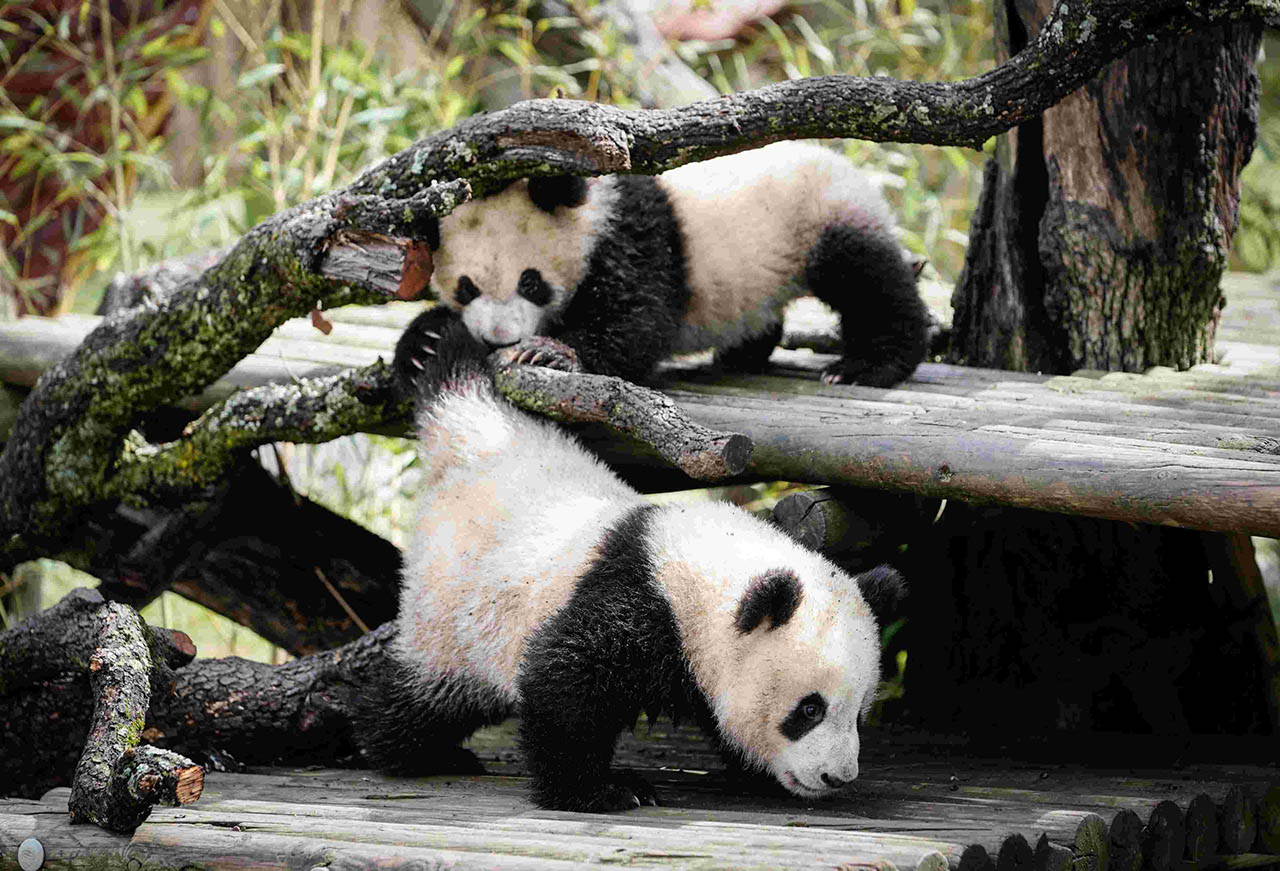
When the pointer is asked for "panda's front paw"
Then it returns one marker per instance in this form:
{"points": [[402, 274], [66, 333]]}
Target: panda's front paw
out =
{"points": [[859, 372], [539, 351], [416, 351], [620, 791]]}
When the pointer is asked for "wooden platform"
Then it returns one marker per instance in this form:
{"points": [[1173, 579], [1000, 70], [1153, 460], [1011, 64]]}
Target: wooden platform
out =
{"points": [[915, 806]]}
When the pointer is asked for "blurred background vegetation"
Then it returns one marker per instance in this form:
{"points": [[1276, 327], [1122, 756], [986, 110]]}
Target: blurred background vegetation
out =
{"points": [[132, 131]]}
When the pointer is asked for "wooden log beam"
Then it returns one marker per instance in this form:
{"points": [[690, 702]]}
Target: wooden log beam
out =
{"points": [[1202, 829], [1163, 837], [1083, 832], [1049, 856], [1183, 449], [1268, 819], [1237, 821], [1125, 834]]}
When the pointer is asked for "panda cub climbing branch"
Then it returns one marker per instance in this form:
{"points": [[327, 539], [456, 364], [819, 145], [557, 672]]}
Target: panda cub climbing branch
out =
{"points": [[627, 270], [537, 583]]}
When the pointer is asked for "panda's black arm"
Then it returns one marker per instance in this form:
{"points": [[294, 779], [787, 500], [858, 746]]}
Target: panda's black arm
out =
{"points": [[624, 315], [619, 328], [573, 706]]}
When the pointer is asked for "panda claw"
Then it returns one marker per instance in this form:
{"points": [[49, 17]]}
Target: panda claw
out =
{"points": [[417, 363], [432, 335]]}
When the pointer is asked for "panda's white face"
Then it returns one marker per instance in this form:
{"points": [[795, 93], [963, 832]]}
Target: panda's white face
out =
{"points": [[511, 267], [789, 681], [811, 745]]}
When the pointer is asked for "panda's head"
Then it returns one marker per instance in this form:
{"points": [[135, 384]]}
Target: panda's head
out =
{"points": [[510, 262], [807, 669]]}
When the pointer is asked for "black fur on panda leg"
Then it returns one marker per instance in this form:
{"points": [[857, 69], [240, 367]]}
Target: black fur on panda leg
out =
{"points": [[613, 651], [435, 347], [752, 355], [883, 320], [406, 728]]}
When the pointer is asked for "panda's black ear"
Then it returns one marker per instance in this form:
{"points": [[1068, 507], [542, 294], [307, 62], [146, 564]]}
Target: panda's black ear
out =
{"points": [[883, 588], [550, 191], [774, 595]]}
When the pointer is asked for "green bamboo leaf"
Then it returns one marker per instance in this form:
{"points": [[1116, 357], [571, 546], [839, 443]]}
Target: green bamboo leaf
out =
{"points": [[379, 115], [259, 75], [21, 122], [512, 52]]}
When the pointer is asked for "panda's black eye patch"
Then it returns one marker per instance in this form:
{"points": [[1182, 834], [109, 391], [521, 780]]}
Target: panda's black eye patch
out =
{"points": [[533, 288], [804, 717], [466, 291]]}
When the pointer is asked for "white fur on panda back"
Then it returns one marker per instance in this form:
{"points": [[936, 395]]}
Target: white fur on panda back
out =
{"points": [[706, 556], [749, 222], [510, 513]]}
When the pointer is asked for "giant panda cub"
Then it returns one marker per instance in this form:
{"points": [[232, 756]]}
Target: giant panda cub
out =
{"points": [[626, 270], [537, 583]]}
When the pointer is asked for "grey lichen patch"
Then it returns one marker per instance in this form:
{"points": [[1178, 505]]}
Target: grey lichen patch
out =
{"points": [[882, 112], [459, 151]]}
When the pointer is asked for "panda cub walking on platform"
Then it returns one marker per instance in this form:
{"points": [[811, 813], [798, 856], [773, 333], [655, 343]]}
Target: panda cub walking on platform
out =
{"points": [[537, 583], [626, 270]]}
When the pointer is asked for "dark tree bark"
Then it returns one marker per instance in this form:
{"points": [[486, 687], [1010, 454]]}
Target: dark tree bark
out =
{"points": [[1099, 242], [302, 577], [297, 713], [1104, 225]]}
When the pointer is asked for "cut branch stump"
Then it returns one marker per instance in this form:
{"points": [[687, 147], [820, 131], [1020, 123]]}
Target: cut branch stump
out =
{"points": [[115, 784]]}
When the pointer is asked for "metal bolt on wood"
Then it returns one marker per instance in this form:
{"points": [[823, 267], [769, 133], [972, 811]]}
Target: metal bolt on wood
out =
{"points": [[30, 855]]}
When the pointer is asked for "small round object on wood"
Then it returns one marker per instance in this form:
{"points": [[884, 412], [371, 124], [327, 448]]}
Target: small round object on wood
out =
{"points": [[30, 855]]}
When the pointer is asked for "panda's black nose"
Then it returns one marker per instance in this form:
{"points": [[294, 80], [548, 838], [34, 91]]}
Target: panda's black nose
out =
{"points": [[832, 781]]}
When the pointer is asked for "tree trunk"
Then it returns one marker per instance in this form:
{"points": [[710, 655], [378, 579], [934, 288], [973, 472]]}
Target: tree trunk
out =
{"points": [[1104, 227], [1099, 242]]}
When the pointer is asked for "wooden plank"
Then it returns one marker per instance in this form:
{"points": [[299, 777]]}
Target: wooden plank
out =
{"points": [[942, 456]]}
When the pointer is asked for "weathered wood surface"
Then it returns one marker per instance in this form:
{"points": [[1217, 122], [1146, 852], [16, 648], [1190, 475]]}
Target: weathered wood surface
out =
{"points": [[1199, 449], [913, 808]]}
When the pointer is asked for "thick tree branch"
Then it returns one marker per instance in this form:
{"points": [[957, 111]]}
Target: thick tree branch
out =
{"points": [[70, 436]]}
